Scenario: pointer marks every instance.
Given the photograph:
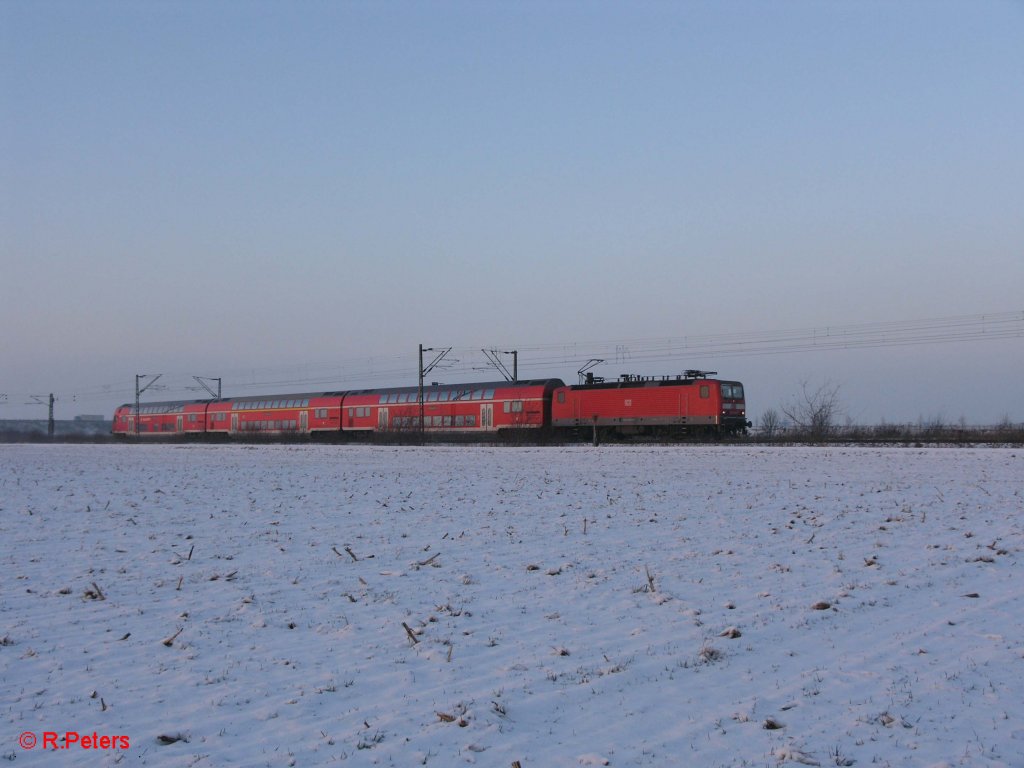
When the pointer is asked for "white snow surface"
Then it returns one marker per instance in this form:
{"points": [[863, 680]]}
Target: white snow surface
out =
{"points": [[621, 605]]}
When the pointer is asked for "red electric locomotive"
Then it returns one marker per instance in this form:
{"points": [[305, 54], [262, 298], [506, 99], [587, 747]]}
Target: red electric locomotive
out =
{"points": [[665, 405]]}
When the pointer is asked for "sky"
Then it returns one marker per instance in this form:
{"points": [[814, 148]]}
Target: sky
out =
{"points": [[279, 194]]}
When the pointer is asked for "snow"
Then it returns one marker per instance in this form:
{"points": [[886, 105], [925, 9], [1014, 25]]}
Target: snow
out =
{"points": [[622, 606]]}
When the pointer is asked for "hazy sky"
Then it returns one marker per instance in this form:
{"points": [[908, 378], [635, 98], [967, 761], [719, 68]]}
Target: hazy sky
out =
{"points": [[276, 192]]}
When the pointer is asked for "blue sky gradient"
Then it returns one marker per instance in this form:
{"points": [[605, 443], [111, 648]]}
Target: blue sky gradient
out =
{"points": [[260, 186]]}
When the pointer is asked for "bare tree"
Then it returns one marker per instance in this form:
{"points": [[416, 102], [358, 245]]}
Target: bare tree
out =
{"points": [[814, 411], [771, 423]]}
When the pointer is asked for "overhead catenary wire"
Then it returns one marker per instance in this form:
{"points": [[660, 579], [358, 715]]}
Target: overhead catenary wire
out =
{"points": [[543, 358]]}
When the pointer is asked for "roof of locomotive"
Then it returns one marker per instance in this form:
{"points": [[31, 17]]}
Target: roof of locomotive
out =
{"points": [[639, 382]]}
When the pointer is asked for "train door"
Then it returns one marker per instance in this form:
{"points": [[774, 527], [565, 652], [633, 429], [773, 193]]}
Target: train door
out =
{"points": [[234, 422], [303, 421], [131, 425], [382, 419], [487, 416], [181, 423]]}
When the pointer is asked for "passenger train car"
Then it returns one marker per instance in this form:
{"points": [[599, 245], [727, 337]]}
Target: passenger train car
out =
{"points": [[630, 405]]}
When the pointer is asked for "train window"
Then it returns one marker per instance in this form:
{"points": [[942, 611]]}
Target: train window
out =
{"points": [[705, 391], [447, 421], [488, 394], [561, 397], [471, 421], [517, 406], [460, 421], [478, 394], [437, 421]]}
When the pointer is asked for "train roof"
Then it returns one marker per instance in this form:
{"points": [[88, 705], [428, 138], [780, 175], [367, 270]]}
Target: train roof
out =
{"points": [[522, 383], [165, 404], [169, 404], [635, 382]]}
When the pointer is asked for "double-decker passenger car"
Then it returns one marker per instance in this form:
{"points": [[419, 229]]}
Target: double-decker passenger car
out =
{"points": [[170, 418], [459, 408], [305, 413]]}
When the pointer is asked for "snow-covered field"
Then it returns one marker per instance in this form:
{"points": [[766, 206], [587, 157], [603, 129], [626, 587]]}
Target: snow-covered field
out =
{"points": [[623, 606]]}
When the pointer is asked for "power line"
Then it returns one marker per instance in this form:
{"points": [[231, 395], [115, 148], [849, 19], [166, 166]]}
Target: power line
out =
{"points": [[545, 357]]}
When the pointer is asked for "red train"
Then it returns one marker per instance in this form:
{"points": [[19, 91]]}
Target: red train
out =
{"points": [[630, 405]]}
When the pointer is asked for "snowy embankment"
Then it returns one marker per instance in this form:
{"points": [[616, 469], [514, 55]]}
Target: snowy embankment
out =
{"points": [[232, 605]]}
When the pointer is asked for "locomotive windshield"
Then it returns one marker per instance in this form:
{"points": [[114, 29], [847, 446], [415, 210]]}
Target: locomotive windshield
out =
{"points": [[733, 391]]}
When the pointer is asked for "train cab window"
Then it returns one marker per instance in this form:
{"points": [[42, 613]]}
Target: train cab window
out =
{"points": [[737, 391], [705, 391]]}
